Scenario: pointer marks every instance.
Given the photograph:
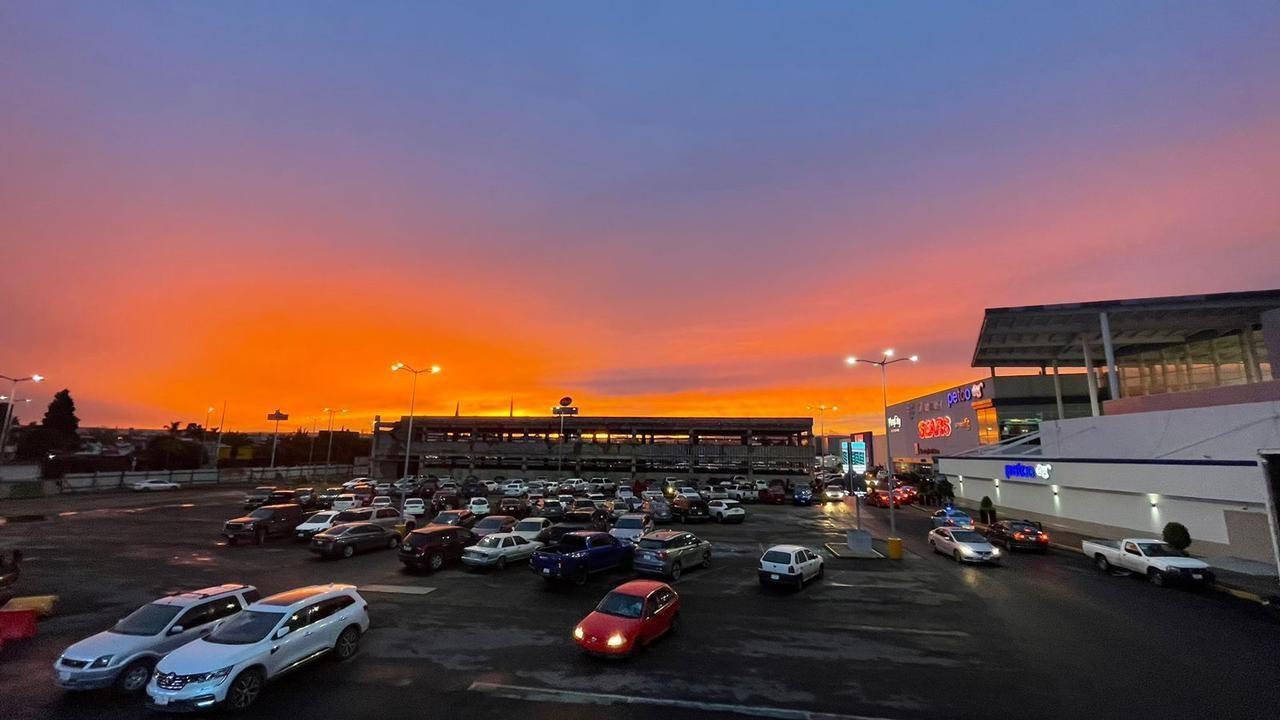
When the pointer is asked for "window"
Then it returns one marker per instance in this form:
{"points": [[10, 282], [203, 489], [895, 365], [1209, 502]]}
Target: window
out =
{"points": [[508, 542], [330, 607], [198, 615], [387, 513], [663, 596], [1131, 549], [303, 617], [364, 530], [517, 540], [251, 596]]}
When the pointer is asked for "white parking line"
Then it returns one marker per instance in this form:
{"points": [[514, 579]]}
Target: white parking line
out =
{"points": [[533, 694], [398, 589], [899, 630]]}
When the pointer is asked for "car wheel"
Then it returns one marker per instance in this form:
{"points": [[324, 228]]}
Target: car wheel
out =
{"points": [[244, 689], [347, 643], [955, 556], [134, 677], [393, 542], [580, 577], [260, 536], [675, 571], [1156, 577], [436, 562], [706, 560], [502, 563], [822, 570], [1100, 562], [348, 551], [675, 624]]}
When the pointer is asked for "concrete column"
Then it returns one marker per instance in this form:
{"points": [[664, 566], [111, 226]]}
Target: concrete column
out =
{"points": [[1093, 380], [1113, 375], [1189, 366], [1271, 340], [1057, 391], [1251, 369], [1217, 363]]}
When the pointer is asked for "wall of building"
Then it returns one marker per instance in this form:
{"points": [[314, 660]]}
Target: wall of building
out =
{"points": [[1226, 432], [1222, 503]]}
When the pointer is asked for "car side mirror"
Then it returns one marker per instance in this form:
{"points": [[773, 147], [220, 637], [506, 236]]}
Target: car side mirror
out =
{"points": [[281, 633], [176, 629]]}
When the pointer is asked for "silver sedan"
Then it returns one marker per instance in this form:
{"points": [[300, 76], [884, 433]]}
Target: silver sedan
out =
{"points": [[963, 545]]}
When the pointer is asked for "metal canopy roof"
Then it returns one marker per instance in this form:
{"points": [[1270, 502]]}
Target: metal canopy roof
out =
{"points": [[1037, 335]]}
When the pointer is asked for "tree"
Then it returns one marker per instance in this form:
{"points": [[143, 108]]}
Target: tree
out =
{"points": [[1176, 534], [945, 490], [166, 452], [61, 423]]}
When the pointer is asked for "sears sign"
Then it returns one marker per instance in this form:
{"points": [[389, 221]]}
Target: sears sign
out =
{"points": [[1022, 470]]}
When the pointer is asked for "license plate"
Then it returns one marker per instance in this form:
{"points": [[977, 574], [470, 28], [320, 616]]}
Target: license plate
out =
{"points": [[1197, 576], [161, 700], [773, 576], [546, 571], [64, 676]]}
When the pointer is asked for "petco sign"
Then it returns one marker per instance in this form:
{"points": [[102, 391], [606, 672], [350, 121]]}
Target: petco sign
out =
{"points": [[966, 394], [1022, 470]]}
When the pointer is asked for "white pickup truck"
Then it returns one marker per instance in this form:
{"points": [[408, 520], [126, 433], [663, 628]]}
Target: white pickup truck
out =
{"points": [[1154, 559]]}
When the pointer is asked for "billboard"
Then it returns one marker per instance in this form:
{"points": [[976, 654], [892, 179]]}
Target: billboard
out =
{"points": [[854, 455]]}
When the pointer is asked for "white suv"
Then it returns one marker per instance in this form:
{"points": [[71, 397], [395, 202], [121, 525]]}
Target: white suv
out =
{"points": [[124, 655], [273, 636]]}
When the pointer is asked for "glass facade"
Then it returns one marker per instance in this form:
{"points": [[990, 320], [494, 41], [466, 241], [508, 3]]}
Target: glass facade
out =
{"points": [[1234, 359]]}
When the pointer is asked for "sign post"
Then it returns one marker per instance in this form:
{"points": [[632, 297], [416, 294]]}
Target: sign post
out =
{"points": [[564, 408], [277, 416]]}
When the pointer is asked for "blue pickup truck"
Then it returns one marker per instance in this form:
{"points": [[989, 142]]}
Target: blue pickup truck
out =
{"points": [[578, 554]]}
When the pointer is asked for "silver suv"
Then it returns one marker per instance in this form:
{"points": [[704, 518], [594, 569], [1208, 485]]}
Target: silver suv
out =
{"points": [[669, 552], [124, 656], [386, 517]]}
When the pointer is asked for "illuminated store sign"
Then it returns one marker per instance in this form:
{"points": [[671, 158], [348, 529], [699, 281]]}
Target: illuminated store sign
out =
{"points": [[938, 427], [1022, 470], [966, 394], [855, 455], [895, 424]]}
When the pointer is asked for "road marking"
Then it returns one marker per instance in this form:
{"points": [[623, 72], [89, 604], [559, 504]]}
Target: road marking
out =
{"points": [[899, 630], [521, 692], [398, 589]]}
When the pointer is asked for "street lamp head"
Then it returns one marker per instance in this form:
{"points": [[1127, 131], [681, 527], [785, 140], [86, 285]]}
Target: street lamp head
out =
{"points": [[396, 366], [915, 358], [851, 360], [888, 353], [435, 369], [37, 378]]}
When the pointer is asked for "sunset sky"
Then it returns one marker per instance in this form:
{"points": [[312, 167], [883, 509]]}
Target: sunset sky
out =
{"points": [[658, 208]]}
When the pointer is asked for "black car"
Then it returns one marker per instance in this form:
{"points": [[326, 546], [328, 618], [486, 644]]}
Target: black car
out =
{"points": [[434, 545], [1018, 535], [258, 497], [350, 538], [265, 522], [552, 510], [515, 507], [297, 496], [687, 509], [474, 490], [492, 524], [457, 518], [590, 519]]}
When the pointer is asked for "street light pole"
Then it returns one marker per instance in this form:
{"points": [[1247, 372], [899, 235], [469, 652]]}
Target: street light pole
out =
{"points": [[413, 397], [328, 454], [13, 399], [822, 423], [217, 444], [884, 363]]}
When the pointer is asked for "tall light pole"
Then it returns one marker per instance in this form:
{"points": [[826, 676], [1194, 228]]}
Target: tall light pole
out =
{"points": [[311, 450], [822, 421], [217, 444], [204, 429], [413, 396], [328, 454], [884, 363], [13, 399]]}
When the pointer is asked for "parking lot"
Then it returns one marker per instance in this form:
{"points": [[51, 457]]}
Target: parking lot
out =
{"points": [[1046, 636]]}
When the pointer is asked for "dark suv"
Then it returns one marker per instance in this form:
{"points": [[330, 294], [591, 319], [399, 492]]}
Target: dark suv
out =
{"points": [[687, 509], [515, 507], [258, 497], [446, 499], [474, 490], [297, 496], [434, 545], [267, 521]]}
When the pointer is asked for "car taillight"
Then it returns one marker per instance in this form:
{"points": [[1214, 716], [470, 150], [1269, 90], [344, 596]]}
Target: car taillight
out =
{"points": [[1019, 536], [791, 570], [663, 554], [1043, 537]]}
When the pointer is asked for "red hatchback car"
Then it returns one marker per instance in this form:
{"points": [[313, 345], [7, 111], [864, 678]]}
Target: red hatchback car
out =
{"points": [[629, 618]]}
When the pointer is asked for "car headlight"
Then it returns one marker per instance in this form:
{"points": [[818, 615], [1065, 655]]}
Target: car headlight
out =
{"points": [[995, 552], [616, 640], [577, 633], [216, 676], [965, 551], [102, 662]]}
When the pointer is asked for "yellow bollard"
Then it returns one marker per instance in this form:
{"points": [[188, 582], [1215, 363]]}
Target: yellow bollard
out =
{"points": [[894, 546], [42, 604], [402, 528]]}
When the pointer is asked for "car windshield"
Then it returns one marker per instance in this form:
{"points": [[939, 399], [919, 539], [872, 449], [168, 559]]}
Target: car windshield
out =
{"points": [[1019, 527], [260, 513], [248, 627], [147, 620], [321, 517], [628, 523], [1159, 550], [492, 541], [446, 518], [728, 503], [551, 505], [777, 556], [835, 487], [529, 525], [627, 606], [351, 515], [967, 536]]}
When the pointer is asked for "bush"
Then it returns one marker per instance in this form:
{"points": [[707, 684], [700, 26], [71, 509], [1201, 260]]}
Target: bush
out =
{"points": [[1176, 535], [986, 503]]}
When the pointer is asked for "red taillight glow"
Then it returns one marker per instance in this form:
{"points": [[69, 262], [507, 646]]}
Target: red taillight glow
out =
{"points": [[1044, 537], [1019, 536]]}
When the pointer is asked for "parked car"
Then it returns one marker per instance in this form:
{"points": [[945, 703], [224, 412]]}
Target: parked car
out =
{"points": [[658, 509], [688, 491], [1157, 561], [1018, 534], [382, 488], [774, 495], [669, 552], [125, 656], [286, 496], [345, 501], [743, 492], [715, 492], [950, 517], [515, 489], [551, 509], [446, 499], [152, 485], [579, 554], [631, 527], [258, 496], [963, 545], [686, 509], [801, 496], [478, 506], [499, 549], [381, 501], [515, 507], [792, 565], [326, 497], [434, 545], [265, 522], [597, 519], [415, 507], [531, 528], [494, 524], [491, 486], [273, 636], [834, 492], [350, 538], [652, 495], [459, 518], [727, 511], [386, 517], [318, 522], [632, 616]]}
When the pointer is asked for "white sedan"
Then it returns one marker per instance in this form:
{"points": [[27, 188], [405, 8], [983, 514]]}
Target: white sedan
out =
{"points": [[515, 489], [382, 501], [531, 528], [498, 549], [963, 545], [415, 507], [478, 506], [727, 511], [149, 485], [317, 523]]}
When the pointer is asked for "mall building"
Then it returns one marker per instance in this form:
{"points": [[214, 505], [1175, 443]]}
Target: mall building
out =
{"points": [[1181, 422]]}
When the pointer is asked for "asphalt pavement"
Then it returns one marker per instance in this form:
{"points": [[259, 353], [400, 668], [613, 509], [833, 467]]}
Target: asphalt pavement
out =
{"points": [[1042, 636]]}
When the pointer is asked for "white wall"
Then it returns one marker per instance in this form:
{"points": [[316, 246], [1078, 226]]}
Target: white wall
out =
{"points": [[1225, 432]]}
